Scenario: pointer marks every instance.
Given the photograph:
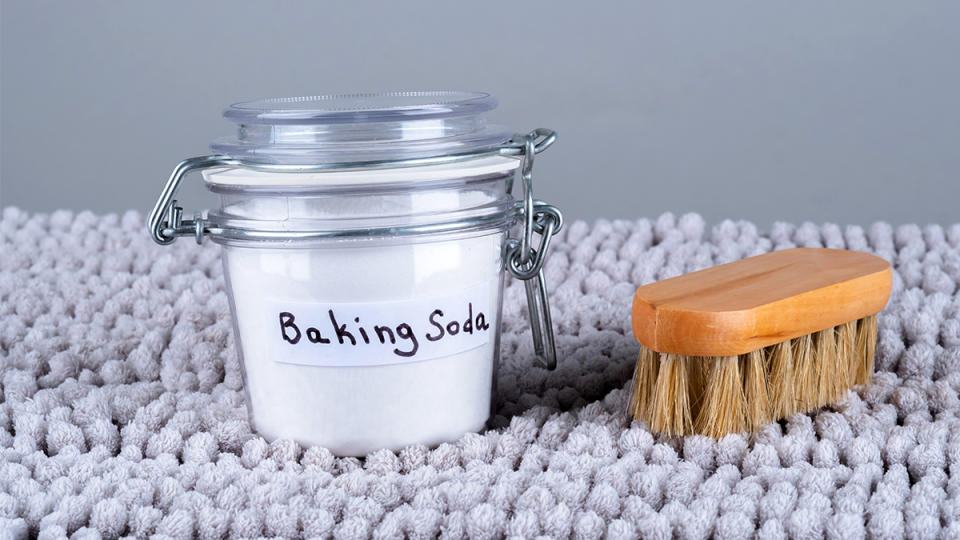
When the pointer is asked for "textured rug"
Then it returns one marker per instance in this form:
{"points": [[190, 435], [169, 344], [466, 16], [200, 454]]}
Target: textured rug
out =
{"points": [[122, 411]]}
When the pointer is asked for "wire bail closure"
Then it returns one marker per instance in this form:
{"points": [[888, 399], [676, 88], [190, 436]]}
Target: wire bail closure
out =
{"points": [[526, 263], [523, 261]]}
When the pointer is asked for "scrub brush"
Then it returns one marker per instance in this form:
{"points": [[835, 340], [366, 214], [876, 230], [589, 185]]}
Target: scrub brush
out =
{"points": [[733, 347]]}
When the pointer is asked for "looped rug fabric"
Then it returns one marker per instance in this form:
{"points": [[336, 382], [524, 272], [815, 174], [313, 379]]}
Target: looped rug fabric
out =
{"points": [[123, 414]]}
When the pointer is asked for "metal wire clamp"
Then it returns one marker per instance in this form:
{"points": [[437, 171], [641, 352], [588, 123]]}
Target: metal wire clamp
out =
{"points": [[524, 262]]}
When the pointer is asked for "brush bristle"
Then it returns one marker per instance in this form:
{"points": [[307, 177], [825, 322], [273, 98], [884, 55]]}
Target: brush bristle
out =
{"points": [[723, 400], [670, 404], [755, 386], [805, 374], [679, 395], [645, 376], [783, 400], [846, 353], [830, 379], [866, 346]]}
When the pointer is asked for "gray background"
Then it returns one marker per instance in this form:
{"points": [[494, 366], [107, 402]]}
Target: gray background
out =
{"points": [[825, 111]]}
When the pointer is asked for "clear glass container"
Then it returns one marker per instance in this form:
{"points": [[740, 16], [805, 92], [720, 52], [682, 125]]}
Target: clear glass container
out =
{"points": [[365, 239]]}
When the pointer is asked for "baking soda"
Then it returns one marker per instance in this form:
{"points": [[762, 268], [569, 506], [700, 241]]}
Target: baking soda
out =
{"points": [[363, 344]]}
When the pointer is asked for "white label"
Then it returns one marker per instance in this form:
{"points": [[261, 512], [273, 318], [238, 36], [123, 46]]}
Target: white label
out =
{"points": [[380, 333]]}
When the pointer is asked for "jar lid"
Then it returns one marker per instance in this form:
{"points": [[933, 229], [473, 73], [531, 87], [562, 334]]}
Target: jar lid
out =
{"points": [[350, 128]]}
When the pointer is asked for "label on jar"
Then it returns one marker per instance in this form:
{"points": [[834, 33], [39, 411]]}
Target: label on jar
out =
{"points": [[380, 333]]}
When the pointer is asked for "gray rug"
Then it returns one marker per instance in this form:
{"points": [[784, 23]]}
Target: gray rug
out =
{"points": [[122, 411]]}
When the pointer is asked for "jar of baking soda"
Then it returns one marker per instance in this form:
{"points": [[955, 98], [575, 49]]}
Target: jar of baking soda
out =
{"points": [[365, 240]]}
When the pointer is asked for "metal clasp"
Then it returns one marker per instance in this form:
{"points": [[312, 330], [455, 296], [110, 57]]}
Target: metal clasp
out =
{"points": [[166, 221], [525, 262]]}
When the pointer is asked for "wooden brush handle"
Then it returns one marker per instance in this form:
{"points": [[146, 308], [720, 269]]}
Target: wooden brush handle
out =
{"points": [[746, 305]]}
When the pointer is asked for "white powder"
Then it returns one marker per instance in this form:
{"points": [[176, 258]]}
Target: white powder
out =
{"points": [[354, 410]]}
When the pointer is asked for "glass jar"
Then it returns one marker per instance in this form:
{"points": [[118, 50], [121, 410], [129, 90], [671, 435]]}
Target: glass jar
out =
{"points": [[365, 239]]}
